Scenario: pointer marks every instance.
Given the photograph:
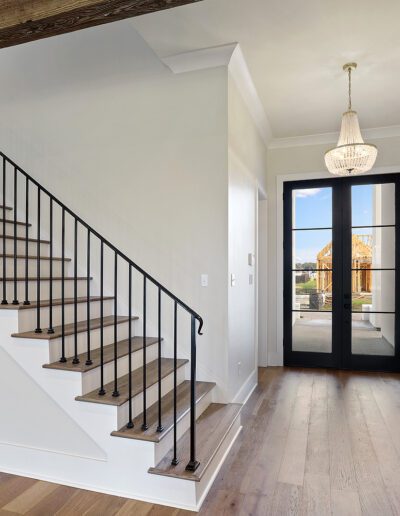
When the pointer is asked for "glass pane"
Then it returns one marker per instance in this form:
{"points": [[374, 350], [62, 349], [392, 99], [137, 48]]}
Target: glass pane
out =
{"points": [[373, 291], [373, 334], [312, 249], [308, 202], [373, 205], [312, 290], [373, 248], [312, 332]]}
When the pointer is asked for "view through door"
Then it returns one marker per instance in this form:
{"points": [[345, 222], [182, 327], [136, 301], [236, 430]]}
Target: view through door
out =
{"points": [[340, 273]]}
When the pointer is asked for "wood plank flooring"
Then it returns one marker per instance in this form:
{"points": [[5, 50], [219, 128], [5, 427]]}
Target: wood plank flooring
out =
{"points": [[314, 442]]}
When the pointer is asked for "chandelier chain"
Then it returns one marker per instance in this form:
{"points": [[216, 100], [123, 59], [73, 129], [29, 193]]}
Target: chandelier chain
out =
{"points": [[349, 72]]}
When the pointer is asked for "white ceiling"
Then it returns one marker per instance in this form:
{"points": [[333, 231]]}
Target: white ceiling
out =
{"points": [[295, 50]]}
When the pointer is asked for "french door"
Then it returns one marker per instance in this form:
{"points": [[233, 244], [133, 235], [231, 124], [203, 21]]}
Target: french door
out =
{"points": [[341, 289]]}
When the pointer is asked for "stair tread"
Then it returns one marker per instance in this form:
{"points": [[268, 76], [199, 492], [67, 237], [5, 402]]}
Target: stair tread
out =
{"points": [[11, 237], [167, 367], [17, 222], [69, 329], [5, 207], [56, 302], [211, 428], [34, 257], [182, 408], [108, 355], [44, 278]]}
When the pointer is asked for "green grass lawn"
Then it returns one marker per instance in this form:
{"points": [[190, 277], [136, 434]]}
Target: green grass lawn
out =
{"points": [[308, 285]]}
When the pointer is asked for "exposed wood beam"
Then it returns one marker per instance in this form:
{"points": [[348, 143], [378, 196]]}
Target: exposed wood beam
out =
{"points": [[22, 21]]}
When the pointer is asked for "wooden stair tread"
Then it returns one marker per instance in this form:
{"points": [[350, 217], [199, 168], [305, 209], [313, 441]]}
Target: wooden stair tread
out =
{"points": [[34, 257], [167, 367], [11, 237], [45, 278], [17, 222], [56, 302], [108, 355], [5, 207], [211, 429], [69, 329], [167, 402]]}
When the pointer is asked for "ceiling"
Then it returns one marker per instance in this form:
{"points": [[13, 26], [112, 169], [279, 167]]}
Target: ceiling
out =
{"points": [[295, 50]]}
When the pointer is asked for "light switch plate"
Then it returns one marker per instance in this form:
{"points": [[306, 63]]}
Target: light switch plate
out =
{"points": [[204, 280]]}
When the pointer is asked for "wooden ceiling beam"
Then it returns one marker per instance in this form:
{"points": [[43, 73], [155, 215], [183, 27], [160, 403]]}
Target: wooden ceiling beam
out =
{"points": [[22, 21]]}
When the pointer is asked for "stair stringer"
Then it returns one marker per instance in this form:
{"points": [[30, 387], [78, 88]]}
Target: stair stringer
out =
{"points": [[119, 466]]}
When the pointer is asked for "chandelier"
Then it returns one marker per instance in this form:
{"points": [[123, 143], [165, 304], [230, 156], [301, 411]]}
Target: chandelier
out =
{"points": [[351, 155]]}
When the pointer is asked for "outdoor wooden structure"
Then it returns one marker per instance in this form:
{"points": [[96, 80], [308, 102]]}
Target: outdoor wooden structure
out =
{"points": [[361, 265]]}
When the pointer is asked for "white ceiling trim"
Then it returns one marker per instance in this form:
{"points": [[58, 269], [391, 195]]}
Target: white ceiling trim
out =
{"points": [[232, 57], [374, 133]]}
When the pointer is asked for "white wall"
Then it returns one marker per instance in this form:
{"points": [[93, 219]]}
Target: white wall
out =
{"points": [[299, 162], [247, 166], [137, 152]]}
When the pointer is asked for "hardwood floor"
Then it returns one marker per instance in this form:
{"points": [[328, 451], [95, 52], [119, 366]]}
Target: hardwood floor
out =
{"points": [[314, 442]]}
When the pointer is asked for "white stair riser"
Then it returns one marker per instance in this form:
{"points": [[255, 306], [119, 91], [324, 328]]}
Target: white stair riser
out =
{"points": [[167, 385], [44, 289], [21, 230], [32, 267], [55, 344], [91, 379], [32, 247], [167, 442], [27, 317]]}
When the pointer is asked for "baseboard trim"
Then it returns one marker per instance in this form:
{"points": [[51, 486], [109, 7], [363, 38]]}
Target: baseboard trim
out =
{"points": [[246, 390]]}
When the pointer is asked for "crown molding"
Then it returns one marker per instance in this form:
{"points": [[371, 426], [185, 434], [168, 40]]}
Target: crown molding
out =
{"points": [[374, 133], [232, 57]]}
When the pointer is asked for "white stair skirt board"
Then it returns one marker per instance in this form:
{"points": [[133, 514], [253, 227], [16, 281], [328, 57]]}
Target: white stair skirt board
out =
{"points": [[51, 436]]}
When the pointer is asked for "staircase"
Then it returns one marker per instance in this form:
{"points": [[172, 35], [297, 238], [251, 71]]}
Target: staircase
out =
{"points": [[89, 330]]}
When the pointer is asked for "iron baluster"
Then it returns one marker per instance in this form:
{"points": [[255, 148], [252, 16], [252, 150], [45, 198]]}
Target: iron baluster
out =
{"points": [[175, 460], [115, 392], [101, 390], [88, 358], [26, 301], [50, 328], [159, 427], [130, 417], [38, 328], [63, 359], [15, 300], [193, 464], [144, 424]]}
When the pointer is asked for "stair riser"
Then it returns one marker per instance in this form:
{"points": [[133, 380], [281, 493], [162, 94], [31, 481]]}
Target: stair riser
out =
{"points": [[32, 267], [91, 379], [21, 230], [152, 396], [27, 318], [44, 289], [32, 247], [167, 442], [55, 344]]}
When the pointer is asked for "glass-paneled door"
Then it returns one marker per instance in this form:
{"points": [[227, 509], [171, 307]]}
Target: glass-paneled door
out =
{"points": [[340, 261]]}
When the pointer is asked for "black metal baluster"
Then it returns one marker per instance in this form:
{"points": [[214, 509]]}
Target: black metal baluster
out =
{"points": [[175, 460], [63, 359], [88, 358], [159, 427], [76, 359], [26, 302], [15, 300], [116, 392], [144, 425], [193, 463], [4, 300], [101, 390], [50, 329], [130, 417], [38, 328]]}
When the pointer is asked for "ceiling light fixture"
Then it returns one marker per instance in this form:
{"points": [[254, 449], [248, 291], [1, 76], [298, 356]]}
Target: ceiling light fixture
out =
{"points": [[351, 155]]}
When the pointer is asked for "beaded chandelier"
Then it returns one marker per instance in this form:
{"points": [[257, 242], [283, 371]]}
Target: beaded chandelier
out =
{"points": [[351, 155]]}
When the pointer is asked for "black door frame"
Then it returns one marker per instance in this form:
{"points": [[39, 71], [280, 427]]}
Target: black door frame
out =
{"points": [[341, 356]]}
